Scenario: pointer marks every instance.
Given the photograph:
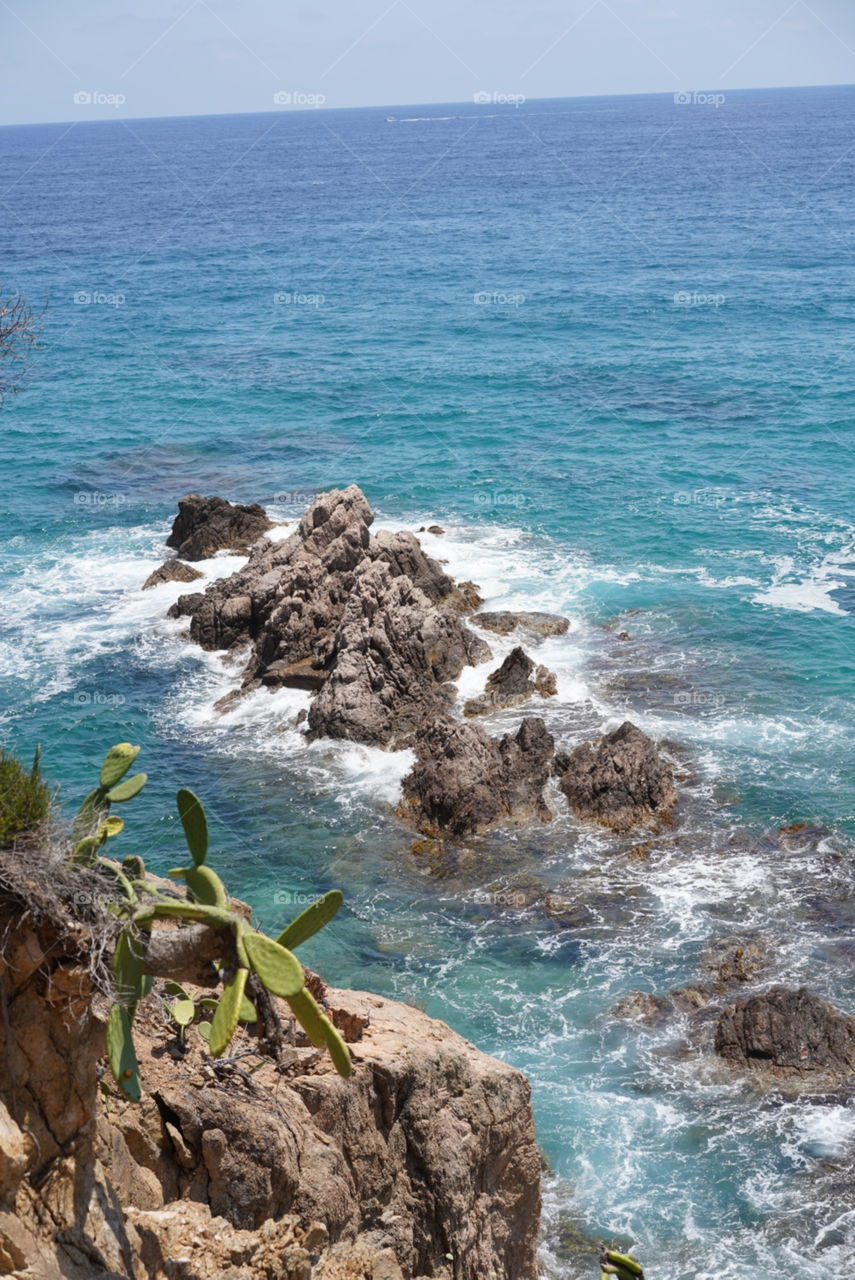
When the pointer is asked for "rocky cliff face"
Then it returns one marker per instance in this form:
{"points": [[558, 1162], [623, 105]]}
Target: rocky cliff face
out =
{"points": [[423, 1164]]}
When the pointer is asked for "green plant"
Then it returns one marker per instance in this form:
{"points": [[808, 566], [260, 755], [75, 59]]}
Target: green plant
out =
{"points": [[621, 1265], [244, 950], [24, 798]]}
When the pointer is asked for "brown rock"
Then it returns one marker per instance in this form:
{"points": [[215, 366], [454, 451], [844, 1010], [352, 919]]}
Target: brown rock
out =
{"points": [[393, 655], [505, 621], [511, 684], [206, 525], [463, 781], [793, 1031], [620, 781], [172, 570]]}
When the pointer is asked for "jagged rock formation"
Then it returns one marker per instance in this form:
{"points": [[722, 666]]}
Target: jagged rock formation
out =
{"points": [[463, 781], [374, 629], [513, 683], [503, 622], [369, 622], [792, 1032], [618, 782], [206, 525], [172, 570], [423, 1164]]}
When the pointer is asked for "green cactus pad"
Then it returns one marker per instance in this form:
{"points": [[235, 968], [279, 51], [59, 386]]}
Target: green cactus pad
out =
{"points": [[206, 886], [311, 920], [248, 1011], [117, 762], [195, 824], [227, 1014], [339, 1051], [204, 1029], [279, 970], [128, 789], [128, 975], [110, 827], [121, 1053], [175, 989], [305, 1010], [183, 1011]]}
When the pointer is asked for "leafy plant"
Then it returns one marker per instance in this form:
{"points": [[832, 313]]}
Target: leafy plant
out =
{"points": [[24, 798], [245, 950], [621, 1265]]}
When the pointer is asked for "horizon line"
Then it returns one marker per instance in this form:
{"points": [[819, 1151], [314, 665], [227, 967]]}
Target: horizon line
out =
{"points": [[286, 111]]}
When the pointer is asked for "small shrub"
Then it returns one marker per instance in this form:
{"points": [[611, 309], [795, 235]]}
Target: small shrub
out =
{"points": [[24, 798]]}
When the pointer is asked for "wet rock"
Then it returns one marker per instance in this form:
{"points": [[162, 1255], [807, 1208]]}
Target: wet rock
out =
{"points": [[620, 781], [736, 959], [294, 675], [505, 621], [792, 1031], [464, 781], [172, 570], [393, 656], [514, 682], [641, 1006], [206, 525]]}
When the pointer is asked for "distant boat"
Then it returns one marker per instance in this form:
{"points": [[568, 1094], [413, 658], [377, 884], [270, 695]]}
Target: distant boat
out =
{"points": [[391, 119]]}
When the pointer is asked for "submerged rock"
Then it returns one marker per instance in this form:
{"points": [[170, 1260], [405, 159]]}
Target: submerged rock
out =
{"points": [[505, 621], [206, 525], [514, 682], [464, 781], [172, 570], [793, 1031], [620, 781]]}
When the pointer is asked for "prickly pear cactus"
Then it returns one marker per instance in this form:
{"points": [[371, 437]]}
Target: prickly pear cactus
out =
{"points": [[143, 901]]}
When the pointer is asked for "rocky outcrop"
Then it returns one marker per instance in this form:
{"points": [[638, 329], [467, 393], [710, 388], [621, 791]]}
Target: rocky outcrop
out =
{"points": [[423, 1164], [793, 1032], [513, 683], [618, 782], [464, 781], [504, 621], [172, 570], [392, 659], [369, 623], [204, 526]]}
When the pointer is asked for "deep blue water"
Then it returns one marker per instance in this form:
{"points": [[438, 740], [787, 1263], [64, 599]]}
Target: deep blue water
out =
{"points": [[607, 343]]}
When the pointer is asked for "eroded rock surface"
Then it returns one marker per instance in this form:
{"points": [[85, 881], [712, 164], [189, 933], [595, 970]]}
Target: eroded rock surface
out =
{"points": [[172, 570], [620, 781], [514, 682], [464, 781], [369, 623], [423, 1164], [204, 526], [504, 621], [792, 1031]]}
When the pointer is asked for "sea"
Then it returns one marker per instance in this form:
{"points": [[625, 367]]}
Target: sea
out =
{"points": [[606, 344]]}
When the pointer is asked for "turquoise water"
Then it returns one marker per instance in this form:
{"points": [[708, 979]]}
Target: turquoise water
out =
{"points": [[606, 343]]}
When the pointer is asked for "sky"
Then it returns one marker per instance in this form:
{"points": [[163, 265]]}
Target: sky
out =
{"points": [[74, 60]]}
